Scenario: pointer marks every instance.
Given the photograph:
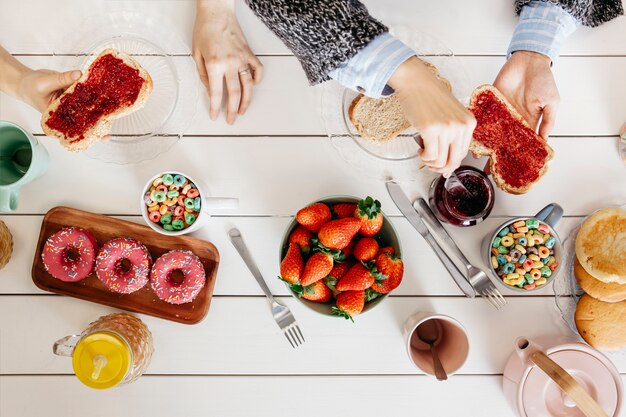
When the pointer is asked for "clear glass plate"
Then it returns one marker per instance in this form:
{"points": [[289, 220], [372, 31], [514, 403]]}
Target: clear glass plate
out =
{"points": [[396, 158], [159, 124], [567, 292]]}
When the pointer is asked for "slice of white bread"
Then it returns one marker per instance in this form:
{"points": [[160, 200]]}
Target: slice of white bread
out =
{"points": [[103, 125], [378, 120], [381, 120], [601, 245], [516, 142]]}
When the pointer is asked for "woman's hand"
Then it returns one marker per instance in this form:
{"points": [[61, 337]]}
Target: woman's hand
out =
{"points": [[526, 80], [223, 56], [445, 125], [39, 88]]}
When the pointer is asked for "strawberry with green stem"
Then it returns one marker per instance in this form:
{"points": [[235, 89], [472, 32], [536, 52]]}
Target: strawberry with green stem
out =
{"points": [[317, 267], [360, 277], [349, 304], [368, 211], [292, 264], [392, 266], [302, 237]]}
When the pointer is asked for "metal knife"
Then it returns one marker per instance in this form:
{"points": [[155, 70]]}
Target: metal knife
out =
{"points": [[406, 208]]}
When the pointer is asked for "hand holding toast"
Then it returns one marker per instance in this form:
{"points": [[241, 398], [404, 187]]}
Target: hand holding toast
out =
{"points": [[223, 56], [527, 82], [37, 88], [445, 125]]}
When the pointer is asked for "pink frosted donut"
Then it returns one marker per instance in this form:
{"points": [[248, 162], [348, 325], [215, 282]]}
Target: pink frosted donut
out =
{"points": [[123, 265], [69, 254], [192, 270]]}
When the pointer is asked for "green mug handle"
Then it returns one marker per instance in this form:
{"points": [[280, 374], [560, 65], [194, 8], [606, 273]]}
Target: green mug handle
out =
{"points": [[8, 199]]}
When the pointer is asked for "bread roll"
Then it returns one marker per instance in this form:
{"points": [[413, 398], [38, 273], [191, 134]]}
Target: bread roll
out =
{"points": [[610, 292], [601, 245], [601, 324]]}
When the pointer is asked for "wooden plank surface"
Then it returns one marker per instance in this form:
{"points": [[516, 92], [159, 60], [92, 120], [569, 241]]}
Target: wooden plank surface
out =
{"points": [[482, 27], [592, 93], [424, 274], [239, 336], [236, 396], [278, 176]]}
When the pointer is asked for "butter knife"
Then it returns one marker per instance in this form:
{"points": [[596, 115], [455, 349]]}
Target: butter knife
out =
{"points": [[406, 208]]}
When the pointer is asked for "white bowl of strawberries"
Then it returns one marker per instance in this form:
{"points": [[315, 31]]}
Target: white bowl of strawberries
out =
{"points": [[341, 256]]}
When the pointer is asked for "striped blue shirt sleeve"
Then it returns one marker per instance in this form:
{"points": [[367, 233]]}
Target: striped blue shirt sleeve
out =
{"points": [[543, 28], [370, 69]]}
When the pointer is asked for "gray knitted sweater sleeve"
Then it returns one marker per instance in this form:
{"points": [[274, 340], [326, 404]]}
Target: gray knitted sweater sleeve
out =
{"points": [[324, 34], [588, 12]]}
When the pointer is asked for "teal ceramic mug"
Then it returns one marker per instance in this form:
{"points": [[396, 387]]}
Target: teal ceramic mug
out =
{"points": [[22, 159]]}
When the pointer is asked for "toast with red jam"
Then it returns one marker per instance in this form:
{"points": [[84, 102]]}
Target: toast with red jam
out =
{"points": [[112, 86], [518, 156]]}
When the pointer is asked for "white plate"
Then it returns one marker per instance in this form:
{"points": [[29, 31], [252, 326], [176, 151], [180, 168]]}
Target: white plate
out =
{"points": [[159, 124], [396, 158]]}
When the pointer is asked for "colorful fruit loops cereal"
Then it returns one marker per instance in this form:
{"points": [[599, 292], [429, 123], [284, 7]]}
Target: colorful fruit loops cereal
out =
{"points": [[173, 202], [522, 254]]}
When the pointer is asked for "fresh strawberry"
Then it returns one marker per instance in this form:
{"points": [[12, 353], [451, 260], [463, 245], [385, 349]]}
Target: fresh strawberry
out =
{"points": [[337, 234], [349, 250], [343, 210], [314, 216], [371, 217], [349, 304], [317, 267], [340, 269], [387, 249], [302, 237], [391, 266], [292, 264], [366, 249], [359, 277], [318, 292]]}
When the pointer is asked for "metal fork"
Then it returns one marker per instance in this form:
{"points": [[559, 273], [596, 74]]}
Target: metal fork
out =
{"points": [[476, 277], [282, 315]]}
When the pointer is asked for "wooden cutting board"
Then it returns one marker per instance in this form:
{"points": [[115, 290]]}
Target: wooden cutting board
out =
{"points": [[143, 301]]}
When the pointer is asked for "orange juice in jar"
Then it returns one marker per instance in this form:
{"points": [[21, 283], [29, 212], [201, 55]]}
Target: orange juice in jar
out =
{"points": [[115, 349]]}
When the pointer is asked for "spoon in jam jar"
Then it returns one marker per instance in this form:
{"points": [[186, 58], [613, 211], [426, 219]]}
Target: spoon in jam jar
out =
{"points": [[453, 184]]}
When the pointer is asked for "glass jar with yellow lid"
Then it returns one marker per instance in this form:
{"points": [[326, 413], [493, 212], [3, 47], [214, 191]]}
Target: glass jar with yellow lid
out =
{"points": [[115, 349]]}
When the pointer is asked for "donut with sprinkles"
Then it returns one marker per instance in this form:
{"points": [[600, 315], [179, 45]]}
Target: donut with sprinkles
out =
{"points": [[123, 265], [69, 254], [171, 290]]}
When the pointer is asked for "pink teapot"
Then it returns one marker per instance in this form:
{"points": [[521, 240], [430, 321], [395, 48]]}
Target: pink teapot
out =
{"points": [[557, 376]]}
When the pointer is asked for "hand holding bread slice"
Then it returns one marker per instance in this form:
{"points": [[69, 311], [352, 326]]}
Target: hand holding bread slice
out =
{"points": [[518, 156], [113, 85]]}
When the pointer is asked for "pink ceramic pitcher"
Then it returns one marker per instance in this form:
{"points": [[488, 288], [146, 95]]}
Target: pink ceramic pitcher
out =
{"points": [[558, 376]]}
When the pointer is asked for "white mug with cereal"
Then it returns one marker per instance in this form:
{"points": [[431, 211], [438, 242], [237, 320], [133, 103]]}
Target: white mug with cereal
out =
{"points": [[172, 203]]}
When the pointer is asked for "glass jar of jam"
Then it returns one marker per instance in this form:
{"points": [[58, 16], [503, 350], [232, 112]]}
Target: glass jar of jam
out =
{"points": [[460, 208], [114, 350]]}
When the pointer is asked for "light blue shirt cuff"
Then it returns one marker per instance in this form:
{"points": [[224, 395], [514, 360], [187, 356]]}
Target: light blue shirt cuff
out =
{"points": [[369, 70], [543, 28]]}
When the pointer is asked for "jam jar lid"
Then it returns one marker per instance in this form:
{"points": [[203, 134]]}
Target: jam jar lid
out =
{"points": [[101, 360], [541, 396]]}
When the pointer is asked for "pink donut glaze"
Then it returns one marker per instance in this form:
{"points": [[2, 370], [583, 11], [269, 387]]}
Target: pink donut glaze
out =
{"points": [[109, 265], [57, 250], [191, 267]]}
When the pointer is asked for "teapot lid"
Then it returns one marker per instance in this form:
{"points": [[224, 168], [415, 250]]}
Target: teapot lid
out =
{"points": [[541, 396]]}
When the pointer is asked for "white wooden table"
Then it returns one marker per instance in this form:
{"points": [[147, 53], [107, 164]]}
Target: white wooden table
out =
{"points": [[236, 362]]}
